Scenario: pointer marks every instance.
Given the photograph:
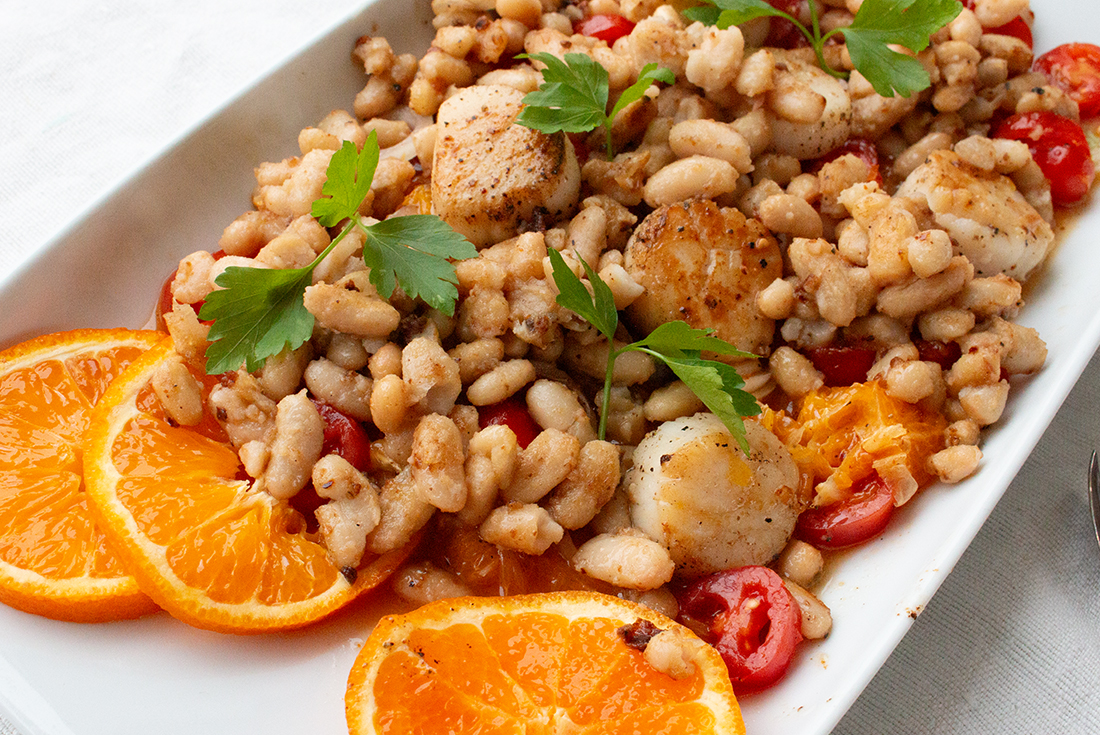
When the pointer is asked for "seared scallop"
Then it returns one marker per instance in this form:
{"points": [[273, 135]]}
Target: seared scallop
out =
{"points": [[988, 219], [811, 110], [692, 490], [491, 176], [704, 264]]}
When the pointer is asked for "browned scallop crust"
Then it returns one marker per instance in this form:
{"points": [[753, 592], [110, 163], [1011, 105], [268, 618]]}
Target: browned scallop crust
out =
{"points": [[490, 176], [704, 264]]}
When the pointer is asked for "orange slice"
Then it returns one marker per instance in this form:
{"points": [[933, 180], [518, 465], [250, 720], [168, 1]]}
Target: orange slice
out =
{"points": [[54, 559], [200, 542], [544, 664]]}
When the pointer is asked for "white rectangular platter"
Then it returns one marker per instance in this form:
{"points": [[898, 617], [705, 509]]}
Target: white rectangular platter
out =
{"points": [[158, 675]]}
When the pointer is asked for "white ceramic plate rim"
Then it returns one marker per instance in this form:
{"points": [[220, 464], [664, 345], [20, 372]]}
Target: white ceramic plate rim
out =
{"points": [[156, 673]]}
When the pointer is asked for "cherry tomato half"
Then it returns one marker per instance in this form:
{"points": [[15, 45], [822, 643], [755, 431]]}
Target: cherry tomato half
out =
{"points": [[1018, 27], [165, 301], [843, 365], [607, 28], [580, 146], [848, 522], [1075, 68], [344, 436], [511, 412], [752, 620], [1058, 145], [942, 353], [783, 33]]}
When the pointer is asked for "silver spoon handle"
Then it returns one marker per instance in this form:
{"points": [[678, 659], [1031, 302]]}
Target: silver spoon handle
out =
{"points": [[1094, 494]]}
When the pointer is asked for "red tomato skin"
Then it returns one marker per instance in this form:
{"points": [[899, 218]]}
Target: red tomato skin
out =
{"points": [[754, 623], [1019, 27], [783, 33], [607, 28], [842, 366], [861, 148], [580, 147], [344, 436], [165, 301], [943, 354], [1075, 68], [1059, 146], [511, 412], [849, 522]]}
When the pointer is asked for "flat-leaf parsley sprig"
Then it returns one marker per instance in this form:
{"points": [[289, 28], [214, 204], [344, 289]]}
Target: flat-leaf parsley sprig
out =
{"points": [[573, 95], [676, 344], [877, 23], [258, 312]]}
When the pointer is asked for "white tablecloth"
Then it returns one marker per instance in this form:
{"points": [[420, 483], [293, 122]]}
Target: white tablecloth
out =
{"points": [[1010, 644]]}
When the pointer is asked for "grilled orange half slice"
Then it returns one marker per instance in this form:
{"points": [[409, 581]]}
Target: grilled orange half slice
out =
{"points": [[54, 559], [549, 663], [204, 545]]}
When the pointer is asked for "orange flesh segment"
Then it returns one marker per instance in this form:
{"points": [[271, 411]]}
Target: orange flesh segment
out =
{"points": [[25, 447], [161, 509], [179, 486], [437, 708], [297, 569], [93, 373], [48, 529], [475, 672], [844, 434], [683, 717], [151, 448], [44, 407], [533, 658], [46, 396]]}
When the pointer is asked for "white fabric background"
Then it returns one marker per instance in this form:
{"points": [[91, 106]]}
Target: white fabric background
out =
{"points": [[91, 90]]}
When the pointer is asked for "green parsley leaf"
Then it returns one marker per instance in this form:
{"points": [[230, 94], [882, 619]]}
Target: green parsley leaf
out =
{"points": [[650, 73], [573, 95], [708, 15], [349, 176], [719, 387], [726, 13], [413, 251], [677, 344], [596, 308], [903, 22], [679, 338], [257, 313], [908, 23]]}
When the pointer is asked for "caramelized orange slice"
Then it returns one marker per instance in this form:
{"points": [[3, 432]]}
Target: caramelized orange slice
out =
{"points": [[841, 435]]}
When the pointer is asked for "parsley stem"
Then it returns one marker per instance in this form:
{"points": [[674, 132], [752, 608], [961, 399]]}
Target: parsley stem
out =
{"points": [[335, 241], [814, 19], [609, 373]]}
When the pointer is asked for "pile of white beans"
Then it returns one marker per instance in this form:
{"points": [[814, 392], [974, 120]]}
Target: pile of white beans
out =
{"points": [[712, 211]]}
